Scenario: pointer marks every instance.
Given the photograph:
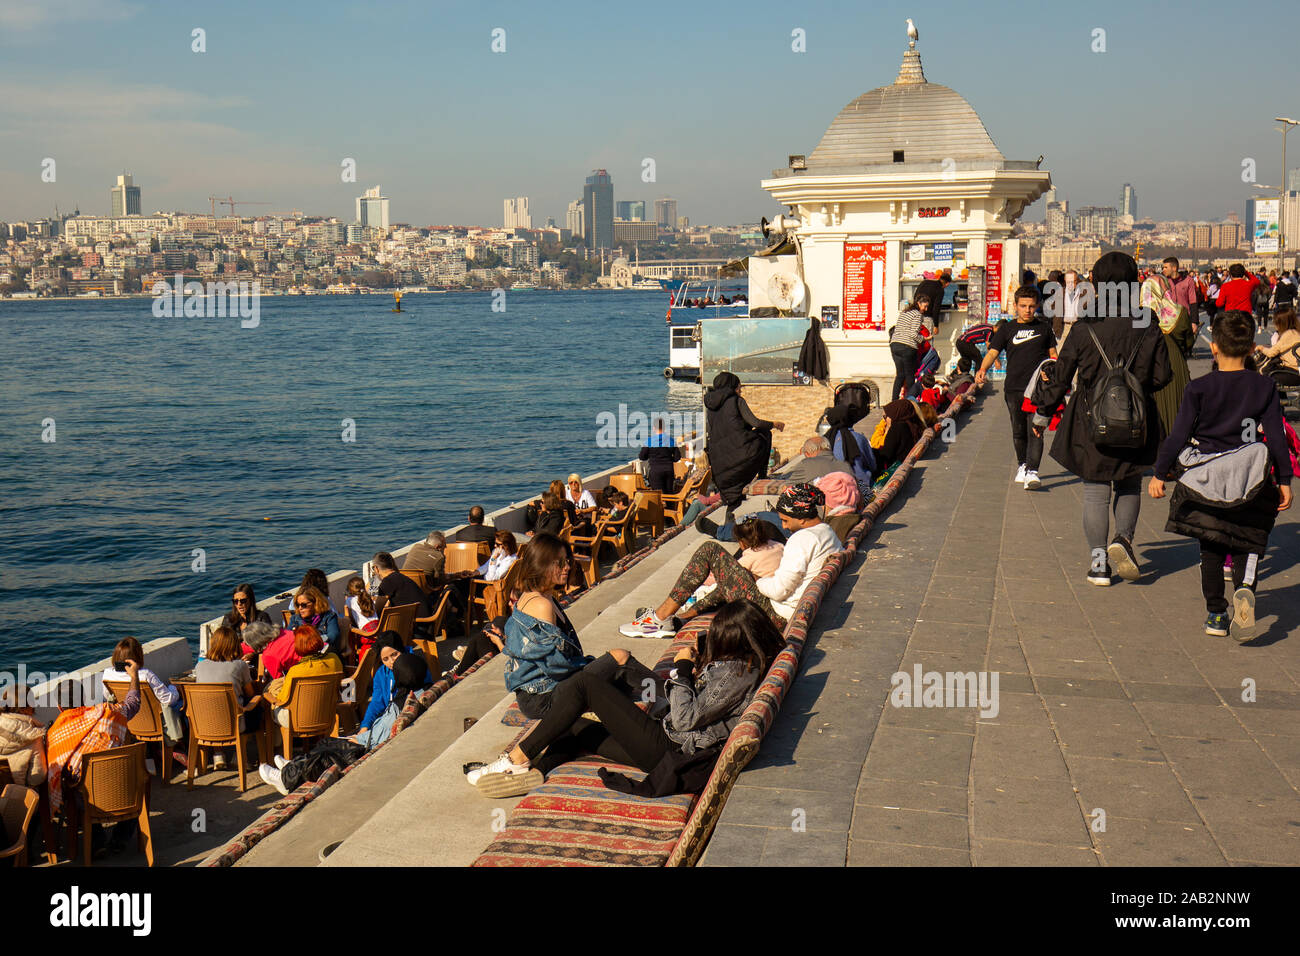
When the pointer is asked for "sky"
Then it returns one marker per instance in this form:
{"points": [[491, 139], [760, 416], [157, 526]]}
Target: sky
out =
{"points": [[713, 92]]}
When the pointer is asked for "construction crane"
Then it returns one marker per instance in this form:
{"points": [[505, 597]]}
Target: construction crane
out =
{"points": [[232, 202]]}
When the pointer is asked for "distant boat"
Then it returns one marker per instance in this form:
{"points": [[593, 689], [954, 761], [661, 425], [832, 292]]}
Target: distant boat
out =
{"points": [[648, 285], [523, 287]]}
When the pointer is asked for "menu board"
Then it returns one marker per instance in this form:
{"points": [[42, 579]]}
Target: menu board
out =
{"points": [[975, 294], [993, 279], [864, 285]]}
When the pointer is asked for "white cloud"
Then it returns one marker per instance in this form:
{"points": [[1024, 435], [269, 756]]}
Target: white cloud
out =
{"points": [[19, 15]]}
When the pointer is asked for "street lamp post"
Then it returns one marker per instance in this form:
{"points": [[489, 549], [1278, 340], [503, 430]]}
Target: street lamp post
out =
{"points": [[1287, 124]]}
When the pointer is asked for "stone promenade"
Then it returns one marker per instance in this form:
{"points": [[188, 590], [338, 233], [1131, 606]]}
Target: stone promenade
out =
{"points": [[1123, 735]]}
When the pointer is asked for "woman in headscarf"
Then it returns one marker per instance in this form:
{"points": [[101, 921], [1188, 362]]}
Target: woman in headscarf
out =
{"points": [[738, 443], [406, 672], [851, 447], [899, 429], [84, 730], [1176, 325]]}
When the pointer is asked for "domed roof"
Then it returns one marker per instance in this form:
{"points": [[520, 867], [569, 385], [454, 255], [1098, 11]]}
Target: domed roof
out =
{"points": [[927, 122]]}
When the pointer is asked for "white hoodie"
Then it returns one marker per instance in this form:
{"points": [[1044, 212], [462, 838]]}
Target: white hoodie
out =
{"points": [[805, 555]]}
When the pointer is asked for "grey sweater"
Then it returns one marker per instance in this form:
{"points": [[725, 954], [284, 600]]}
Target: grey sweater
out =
{"points": [[703, 713]]}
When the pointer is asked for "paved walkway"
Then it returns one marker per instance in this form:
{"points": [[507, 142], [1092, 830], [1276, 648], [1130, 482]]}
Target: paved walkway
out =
{"points": [[1121, 736]]}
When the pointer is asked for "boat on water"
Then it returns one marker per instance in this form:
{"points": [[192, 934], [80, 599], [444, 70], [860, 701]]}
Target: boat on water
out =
{"points": [[686, 307], [647, 285], [343, 288]]}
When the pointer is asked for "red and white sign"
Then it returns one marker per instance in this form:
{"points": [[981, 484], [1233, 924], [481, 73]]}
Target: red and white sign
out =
{"points": [[933, 212], [993, 278], [864, 285]]}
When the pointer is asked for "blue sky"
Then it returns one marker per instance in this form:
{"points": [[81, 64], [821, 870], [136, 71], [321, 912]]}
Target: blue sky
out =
{"points": [[711, 91]]}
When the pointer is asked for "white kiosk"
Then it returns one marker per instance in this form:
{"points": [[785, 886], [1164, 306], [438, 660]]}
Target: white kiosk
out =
{"points": [[905, 184]]}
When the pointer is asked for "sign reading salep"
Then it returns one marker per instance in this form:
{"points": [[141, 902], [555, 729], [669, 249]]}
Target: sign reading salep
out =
{"points": [[864, 285], [993, 280]]}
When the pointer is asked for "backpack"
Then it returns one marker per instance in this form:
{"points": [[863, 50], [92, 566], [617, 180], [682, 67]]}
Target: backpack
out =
{"points": [[1117, 410]]}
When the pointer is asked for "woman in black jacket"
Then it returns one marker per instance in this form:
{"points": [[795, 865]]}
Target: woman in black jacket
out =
{"points": [[1111, 475], [738, 443]]}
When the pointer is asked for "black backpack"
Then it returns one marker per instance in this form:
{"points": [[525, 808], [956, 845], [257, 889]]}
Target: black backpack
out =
{"points": [[1117, 408]]}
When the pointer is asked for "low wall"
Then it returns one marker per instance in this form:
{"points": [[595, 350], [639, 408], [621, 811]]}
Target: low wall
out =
{"points": [[165, 656], [799, 406]]}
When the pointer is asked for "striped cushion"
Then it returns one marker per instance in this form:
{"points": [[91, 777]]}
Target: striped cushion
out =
{"points": [[573, 820]]}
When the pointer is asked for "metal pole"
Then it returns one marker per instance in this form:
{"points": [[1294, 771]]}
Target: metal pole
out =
{"points": [[1281, 204]]}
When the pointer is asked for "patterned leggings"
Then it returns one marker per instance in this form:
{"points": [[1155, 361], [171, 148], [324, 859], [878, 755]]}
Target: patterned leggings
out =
{"points": [[734, 583]]}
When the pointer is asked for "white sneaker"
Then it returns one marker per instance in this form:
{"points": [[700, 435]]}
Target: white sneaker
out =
{"points": [[503, 764], [218, 761], [279, 762], [648, 625], [1031, 480], [1243, 617], [271, 777], [1020, 475]]}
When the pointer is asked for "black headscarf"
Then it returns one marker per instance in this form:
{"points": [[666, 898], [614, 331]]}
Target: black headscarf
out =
{"points": [[388, 639], [839, 418], [409, 672], [903, 412], [726, 380]]}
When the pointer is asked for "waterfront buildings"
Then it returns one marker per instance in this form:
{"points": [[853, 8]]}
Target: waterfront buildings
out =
{"points": [[598, 210], [1097, 222], [573, 219], [125, 196], [516, 213], [628, 230], [633, 210], [372, 210]]}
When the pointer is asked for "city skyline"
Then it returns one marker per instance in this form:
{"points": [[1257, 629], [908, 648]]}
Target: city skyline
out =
{"points": [[267, 115]]}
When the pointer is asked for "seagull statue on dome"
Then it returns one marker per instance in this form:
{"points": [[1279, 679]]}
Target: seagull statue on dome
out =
{"points": [[912, 34]]}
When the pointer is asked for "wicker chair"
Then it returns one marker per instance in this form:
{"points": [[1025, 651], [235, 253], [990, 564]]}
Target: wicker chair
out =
{"points": [[590, 560], [147, 724], [313, 709], [400, 619], [114, 788], [17, 807], [629, 484], [675, 505], [649, 512], [214, 722]]}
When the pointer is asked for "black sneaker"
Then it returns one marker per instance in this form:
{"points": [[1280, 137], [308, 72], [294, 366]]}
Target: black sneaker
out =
{"points": [[1122, 558], [706, 527], [1102, 578]]}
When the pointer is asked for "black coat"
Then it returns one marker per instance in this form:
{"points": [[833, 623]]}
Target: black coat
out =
{"points": [[1073, 447], [814, 360], [934, 289], [738, 443]]}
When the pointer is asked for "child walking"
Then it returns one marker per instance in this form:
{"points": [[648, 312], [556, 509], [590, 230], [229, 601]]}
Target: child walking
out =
{"points": [[1227, 495]]}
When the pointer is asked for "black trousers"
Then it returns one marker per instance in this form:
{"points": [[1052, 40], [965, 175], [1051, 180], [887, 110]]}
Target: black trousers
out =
{"points": [[478, 645], [906, 363], [969, 350], [660, 480], [1244, 570], [624, 733], [1029, 447]]}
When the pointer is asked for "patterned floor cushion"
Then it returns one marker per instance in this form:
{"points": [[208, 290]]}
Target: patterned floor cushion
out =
{"points": [[573, 820]]}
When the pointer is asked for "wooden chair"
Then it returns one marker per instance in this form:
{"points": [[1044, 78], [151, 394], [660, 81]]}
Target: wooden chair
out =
{"points": [[286, 614], [114, 788], [214, 712], [675, 505], [681, 468], [421, 578], [590, 561], [313, 709], [465, 556], [147, 724], [361, 680], [628, 484], [400, 619], [17, 808], [649, 512], [620, 532]]}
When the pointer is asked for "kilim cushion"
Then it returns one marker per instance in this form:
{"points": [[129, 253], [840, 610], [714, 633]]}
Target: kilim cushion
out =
{"points": [[573, 820]]}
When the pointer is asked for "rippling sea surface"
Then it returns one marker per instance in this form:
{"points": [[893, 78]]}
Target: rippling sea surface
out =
{"points": [[178, 434]]}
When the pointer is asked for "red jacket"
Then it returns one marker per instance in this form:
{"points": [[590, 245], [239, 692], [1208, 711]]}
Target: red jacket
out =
{"points": [[1236, 294]]}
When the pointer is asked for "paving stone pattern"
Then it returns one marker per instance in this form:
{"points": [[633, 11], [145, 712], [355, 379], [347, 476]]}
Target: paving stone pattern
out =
{"points": [[1111, 700]]}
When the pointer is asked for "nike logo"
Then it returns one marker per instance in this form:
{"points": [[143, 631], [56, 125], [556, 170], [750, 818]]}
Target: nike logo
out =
{"points": [[1025, 335]]}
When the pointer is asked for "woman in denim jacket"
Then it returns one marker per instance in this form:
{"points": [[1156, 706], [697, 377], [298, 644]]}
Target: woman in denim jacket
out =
{"points": [[542, 646], [705, 700]]}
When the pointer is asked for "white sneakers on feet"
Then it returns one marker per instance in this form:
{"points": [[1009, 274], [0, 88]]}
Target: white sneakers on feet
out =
{"points": [[279, 762], [1031, 480], [271, 777], [1243, 615], [1020, 475], [504, 778]]}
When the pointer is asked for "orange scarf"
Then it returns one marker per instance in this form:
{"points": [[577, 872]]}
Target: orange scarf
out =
{"points": [[76, 732]]}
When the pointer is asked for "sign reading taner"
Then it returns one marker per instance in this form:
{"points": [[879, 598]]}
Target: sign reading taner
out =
{"points": [[864, 285]]}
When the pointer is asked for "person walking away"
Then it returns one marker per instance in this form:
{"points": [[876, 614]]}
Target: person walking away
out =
{"points": [[738, 443], [1028, 342], [1227, 497], [1111, 472], [905, 341], [659, 454], [1175, 324]]}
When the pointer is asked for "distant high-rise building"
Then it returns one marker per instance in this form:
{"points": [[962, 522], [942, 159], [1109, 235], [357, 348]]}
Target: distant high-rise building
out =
{"points": [[635, 230], [1128, 201], [126, 196], [1058, 219], [1250, 214], [372, 210], [1228, 235], [598, 210], [517, 216], [550, 222], [573, 219], [1098, 221], [666, 213], [1293, 180], [1201, 235], [631, 210]]}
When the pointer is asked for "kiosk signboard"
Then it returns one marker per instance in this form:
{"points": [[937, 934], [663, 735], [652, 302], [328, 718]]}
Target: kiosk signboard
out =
{"points": [[993, 279], [864, 285]]}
